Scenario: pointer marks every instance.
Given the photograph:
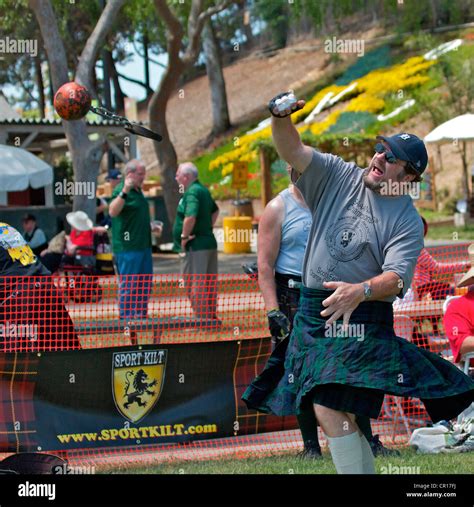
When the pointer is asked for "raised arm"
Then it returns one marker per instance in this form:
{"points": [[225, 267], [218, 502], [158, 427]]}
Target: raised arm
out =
{"points": [[118, 203], [288, 144], [287, 140]]}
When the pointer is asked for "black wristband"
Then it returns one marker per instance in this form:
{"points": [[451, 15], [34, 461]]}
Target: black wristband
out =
{"points": [[271, 105], [278, 324], [123, 195]]}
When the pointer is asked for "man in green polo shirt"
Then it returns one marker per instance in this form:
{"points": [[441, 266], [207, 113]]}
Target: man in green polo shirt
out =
{"points": [[192, 233], [131, 242]]}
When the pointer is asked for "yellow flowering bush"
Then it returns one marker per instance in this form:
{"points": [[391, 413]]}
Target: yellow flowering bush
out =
{"points": [[320, 127], [366, 102], [313, 102], [243, 152], [382, 81]]}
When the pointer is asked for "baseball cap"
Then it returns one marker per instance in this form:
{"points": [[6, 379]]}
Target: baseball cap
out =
{"points": [[410, 148], [114, 174]]}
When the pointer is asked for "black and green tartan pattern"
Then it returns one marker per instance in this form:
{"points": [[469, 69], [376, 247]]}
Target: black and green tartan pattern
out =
{"points": [[18, 377], [318, 365]]}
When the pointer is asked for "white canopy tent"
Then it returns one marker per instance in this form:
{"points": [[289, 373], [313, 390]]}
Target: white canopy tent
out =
{"points": [[20, 169], [458, 130]]}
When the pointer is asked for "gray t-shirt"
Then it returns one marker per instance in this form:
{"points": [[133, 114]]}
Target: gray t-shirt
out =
{"points": [[356, 233]]}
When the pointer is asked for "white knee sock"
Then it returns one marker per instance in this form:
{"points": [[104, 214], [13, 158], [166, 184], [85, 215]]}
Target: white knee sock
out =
{"points": [[347, 453], [367, 456]]}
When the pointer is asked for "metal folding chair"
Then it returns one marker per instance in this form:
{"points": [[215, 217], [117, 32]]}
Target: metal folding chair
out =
{"points": [[403, 327]]}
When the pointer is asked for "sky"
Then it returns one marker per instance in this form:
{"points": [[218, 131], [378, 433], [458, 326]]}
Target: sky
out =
{"points": [[135, 69]]}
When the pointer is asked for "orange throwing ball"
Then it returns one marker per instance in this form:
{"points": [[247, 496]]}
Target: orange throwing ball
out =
{"points": [[72, 101]]}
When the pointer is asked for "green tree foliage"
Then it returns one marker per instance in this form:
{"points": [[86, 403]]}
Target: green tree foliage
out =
{"points": [[276, 15]]}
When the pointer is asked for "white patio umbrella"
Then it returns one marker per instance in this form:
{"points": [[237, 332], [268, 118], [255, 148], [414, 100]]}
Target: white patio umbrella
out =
{"points": [[460, 128], [20, 169]]}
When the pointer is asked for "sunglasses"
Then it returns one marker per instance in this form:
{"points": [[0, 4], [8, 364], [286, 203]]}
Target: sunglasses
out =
{"points": [[392, 159], [389, 156]]}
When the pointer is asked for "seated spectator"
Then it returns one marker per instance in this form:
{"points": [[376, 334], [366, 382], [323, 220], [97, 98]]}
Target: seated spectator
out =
{"points": [[30, 303], [114, 178], [100, 211], [427, 267], [81, 239], [34, 236], [459, 317], [51, 257], [64, 248]]}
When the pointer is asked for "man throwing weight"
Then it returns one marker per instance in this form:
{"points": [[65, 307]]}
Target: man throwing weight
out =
{"points": [[362, 249]]}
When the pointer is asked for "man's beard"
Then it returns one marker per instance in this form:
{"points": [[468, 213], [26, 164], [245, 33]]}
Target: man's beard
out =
{"points": [[375, 187]]}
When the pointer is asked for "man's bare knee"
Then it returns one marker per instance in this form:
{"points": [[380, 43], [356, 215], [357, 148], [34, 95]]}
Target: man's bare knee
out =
{"points": [[333, 422]]}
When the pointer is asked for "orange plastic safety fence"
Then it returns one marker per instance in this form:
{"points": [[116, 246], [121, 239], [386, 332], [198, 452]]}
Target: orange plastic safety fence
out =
{"points": [[72, 310]]}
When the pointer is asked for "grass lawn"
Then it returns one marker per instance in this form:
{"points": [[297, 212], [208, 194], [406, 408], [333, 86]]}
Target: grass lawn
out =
{"points": [[451, 233], [292, 464]]}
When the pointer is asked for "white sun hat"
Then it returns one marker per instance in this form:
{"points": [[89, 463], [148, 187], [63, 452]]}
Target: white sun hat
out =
{"points": [[79, 220]]}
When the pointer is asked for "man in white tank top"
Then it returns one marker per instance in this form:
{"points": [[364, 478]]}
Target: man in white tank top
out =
{"points": [[282, 236]]}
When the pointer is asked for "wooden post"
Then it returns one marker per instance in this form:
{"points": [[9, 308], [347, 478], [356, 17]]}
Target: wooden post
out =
{"points": [[433, 189], [265, 168]]}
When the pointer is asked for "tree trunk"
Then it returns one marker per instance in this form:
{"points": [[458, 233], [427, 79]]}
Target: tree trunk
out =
{"points": [[119, 96], [106, 71], [434, 13], [246, 25], [51, 87], [146, 63], [86, 65], [85, 155], [220, 111], [164, 150], [40, 84], [374, 10], [328, 18]]}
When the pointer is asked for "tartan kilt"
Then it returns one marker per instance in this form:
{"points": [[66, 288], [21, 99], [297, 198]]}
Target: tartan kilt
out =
{"points": [[352, 372]]}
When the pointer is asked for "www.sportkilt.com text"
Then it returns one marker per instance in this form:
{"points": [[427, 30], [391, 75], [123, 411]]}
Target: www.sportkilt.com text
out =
{"points": [[163, 431]]}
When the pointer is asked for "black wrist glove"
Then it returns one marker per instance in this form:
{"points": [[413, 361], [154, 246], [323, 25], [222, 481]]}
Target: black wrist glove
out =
{"points": [[288, 101], [278, 324]]}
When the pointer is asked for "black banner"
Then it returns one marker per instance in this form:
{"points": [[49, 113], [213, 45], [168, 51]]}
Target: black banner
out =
{"points": [[154, 394], [131, 396]]}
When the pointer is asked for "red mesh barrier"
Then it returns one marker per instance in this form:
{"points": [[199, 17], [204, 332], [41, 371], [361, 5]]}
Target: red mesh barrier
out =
{"points": [[71, 311]]}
